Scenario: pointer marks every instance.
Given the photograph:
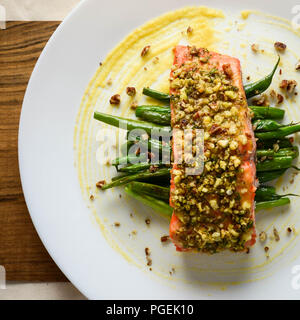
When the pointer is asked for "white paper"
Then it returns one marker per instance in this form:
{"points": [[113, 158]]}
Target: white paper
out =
{"points": [[40, 291], [35, 10]]}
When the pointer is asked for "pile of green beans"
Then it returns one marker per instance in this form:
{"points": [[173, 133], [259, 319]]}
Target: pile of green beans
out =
{"points": [[275, 152]]}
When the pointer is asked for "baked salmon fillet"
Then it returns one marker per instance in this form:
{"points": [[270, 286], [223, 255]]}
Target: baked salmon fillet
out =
{"points": [[214, 210]]}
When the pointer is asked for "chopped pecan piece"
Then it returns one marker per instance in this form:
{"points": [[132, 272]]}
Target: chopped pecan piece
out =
{"points": [[100, 184], [273, 94], [276, 234], [279, 98], [215, 129], [185, 121], [115, 99], [276, 147], [261, 101], [189, 30], [254, 47], [227, 70], [131, 91], [145, 51], [279, 46], [262, 236], [288, 85], [284, 84], [138, 151], [194, 51], [164, 238], [297, 66], [134, 105], [156, 60]]}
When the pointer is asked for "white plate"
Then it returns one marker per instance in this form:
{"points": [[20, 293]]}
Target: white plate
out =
{"points": [[64, 220]]}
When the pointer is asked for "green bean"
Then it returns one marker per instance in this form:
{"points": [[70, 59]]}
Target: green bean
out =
{"points": [[144, 175], [274, 164], [290, 152], [130, 159], [267, 112], [279, 133], [267, 193], [287, 152], [154, 113], [269, 144], [258, 87], [130, 124], [264, 193], [120, 176], [156, 95], [264, 153], [272, 203], [152, 145], [267, 176], [162, 109], [269, 125], [156, 146], [158, 192], [158, 117], [134, 168], [156, 204], [266, 125]]}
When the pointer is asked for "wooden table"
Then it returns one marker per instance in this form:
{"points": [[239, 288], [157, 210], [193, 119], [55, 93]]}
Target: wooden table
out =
{"points": [[21, 251]]}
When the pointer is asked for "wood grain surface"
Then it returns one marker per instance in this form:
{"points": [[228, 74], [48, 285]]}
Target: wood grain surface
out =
{"points": [[21, 251]]}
